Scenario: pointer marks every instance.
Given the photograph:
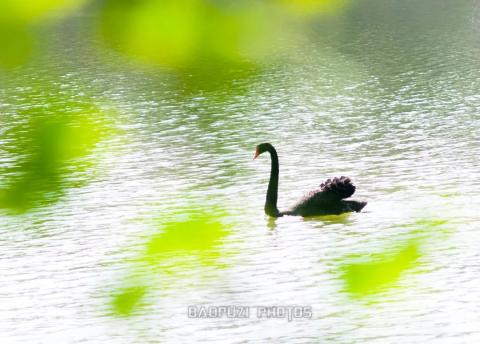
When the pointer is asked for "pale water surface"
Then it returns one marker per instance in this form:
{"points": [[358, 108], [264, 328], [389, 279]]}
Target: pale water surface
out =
{"points": [[389, 95]]}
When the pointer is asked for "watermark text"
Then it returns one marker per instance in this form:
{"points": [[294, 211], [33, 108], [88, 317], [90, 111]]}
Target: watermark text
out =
{"points": [[244, 312]]}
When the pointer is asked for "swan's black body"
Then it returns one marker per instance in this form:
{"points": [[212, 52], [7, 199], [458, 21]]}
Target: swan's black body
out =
{"points": [[327, 199]]}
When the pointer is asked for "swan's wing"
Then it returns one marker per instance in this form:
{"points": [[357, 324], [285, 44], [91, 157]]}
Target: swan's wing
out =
{"points": [[338, 188], [330, 192], [327, 195]]}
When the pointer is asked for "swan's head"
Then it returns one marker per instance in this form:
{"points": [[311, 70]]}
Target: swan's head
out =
{"points": [[262, 148]]}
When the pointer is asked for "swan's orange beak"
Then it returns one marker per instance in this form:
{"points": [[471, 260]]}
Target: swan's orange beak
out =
{"points": [[257, 153]]}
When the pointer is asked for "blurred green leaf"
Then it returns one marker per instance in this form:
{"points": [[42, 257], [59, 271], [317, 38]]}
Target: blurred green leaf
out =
{"points": [[15, 43], [127, 300], [47, 150], [18, 20], [380, 271], [191, 240], [373, 273], [194, 235], [188, 34], [29, 11], [314, 7]]}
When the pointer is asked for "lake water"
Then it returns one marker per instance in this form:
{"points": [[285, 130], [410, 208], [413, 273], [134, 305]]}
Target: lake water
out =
{"points": [[389, 94]]}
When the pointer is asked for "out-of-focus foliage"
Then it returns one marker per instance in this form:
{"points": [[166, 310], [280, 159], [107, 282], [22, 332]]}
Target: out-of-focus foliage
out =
{"points": [[190, 33], [47, 151], [127, 300], [15, 43], [380, 270], [192, 37], [28, 11], [17, 21], [192, 240], [371, 274], [201, 34], [314, 7], [197, 235]]}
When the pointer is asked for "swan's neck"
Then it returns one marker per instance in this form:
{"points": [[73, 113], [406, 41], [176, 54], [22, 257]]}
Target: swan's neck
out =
{"points": [[272, 192]]}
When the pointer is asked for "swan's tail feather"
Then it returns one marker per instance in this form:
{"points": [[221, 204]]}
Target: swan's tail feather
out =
{"points": [[343, 186], [356, 205]]}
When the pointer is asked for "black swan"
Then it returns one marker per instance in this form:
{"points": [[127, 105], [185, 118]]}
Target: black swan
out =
{"points": [[328, 199]]}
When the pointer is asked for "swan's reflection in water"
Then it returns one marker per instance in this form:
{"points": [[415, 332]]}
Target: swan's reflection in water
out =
{"points": [[272, 223], [344, 219]]}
